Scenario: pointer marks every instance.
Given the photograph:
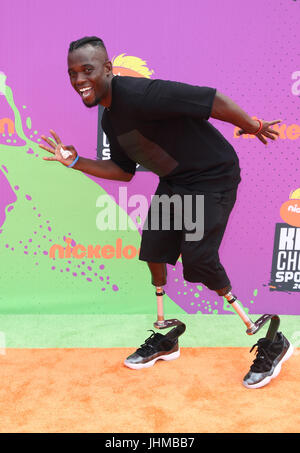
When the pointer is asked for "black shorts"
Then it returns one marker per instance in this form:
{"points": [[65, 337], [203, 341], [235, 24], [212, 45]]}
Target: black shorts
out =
{"points": [[200, 258]]}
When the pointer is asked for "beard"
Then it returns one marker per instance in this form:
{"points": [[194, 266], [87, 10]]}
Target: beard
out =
{"points": [[97, 98], [93, 103]]}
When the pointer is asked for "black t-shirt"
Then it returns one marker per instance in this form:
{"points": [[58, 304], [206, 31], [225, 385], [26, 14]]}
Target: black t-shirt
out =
{"points": [[163, 126]]}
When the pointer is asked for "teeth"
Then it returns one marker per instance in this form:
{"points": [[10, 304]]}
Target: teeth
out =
{"points": [[85, 89]]}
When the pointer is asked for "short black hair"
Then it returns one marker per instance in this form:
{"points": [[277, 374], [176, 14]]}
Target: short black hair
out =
{"points": [[92, 40]]}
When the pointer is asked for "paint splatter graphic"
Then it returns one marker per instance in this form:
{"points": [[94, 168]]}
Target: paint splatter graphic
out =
{"points": [[35, 215], [196, 298]]}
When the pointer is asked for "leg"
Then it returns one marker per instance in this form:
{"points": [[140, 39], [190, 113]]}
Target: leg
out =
{"points": [[158, 346], [272, 350], [202, 264], [201, 259], [159, 279], [158, 247]]}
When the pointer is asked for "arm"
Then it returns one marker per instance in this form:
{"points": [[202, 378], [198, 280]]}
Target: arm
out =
{"points": [[164, 99], [105, 169], [225, 109]]}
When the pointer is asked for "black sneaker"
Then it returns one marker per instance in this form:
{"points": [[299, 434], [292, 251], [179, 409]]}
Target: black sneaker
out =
{"points": [[269, 358], [156, 347]]}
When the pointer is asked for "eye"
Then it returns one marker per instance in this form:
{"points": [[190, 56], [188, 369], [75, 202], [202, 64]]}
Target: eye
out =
{"points": [[88, 70]]}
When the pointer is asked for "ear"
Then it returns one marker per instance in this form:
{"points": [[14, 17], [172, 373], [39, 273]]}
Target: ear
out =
{"points": [[108, 67]]}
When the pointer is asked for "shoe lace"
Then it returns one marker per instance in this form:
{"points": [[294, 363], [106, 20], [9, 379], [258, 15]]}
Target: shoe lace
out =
{"points": [[150, 343], [262, 361]]}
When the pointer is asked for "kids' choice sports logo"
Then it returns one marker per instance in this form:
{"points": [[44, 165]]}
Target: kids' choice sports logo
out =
{"points": [[285, 274], [123, 65]]}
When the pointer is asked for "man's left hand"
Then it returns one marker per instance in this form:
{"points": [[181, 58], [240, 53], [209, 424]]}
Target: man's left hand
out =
{"points": [[266, 131]]}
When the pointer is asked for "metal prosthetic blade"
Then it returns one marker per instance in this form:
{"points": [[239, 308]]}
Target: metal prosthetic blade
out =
{"points": [[273, 328], [179, 328], [167, 323]]}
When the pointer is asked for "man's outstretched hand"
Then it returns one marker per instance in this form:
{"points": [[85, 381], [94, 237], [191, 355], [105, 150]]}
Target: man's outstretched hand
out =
{"points": [[61, 153], [266, 131]]}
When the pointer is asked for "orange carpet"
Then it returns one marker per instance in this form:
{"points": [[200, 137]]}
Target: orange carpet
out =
{"points": [[89, 390]]}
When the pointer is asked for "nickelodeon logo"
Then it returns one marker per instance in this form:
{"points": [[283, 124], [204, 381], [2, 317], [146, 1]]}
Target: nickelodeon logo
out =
{"points": [[126, 65], [291, 132], [290, 210], [107, 251], [10, 126]]}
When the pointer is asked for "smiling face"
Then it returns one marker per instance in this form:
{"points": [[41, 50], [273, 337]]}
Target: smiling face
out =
{"points": [[90, 74]]}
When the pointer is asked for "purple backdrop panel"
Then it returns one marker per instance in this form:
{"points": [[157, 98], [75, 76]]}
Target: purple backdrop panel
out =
{"points": [[247, 50]]}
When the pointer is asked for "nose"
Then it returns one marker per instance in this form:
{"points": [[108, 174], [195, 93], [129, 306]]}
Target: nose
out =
{"points": [[81, 78]]}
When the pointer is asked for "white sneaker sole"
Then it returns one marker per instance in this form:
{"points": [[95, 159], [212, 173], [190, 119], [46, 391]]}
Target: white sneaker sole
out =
{"points": [[139, 366], [277, 370]]}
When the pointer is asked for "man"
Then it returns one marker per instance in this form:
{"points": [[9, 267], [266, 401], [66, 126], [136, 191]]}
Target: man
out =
{"points": [[164, 126]]}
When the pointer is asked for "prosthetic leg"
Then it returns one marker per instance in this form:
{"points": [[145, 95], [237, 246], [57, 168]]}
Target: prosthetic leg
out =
{"points": [[271, 351], [253, 327], [158, 346], [159, 279]]}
